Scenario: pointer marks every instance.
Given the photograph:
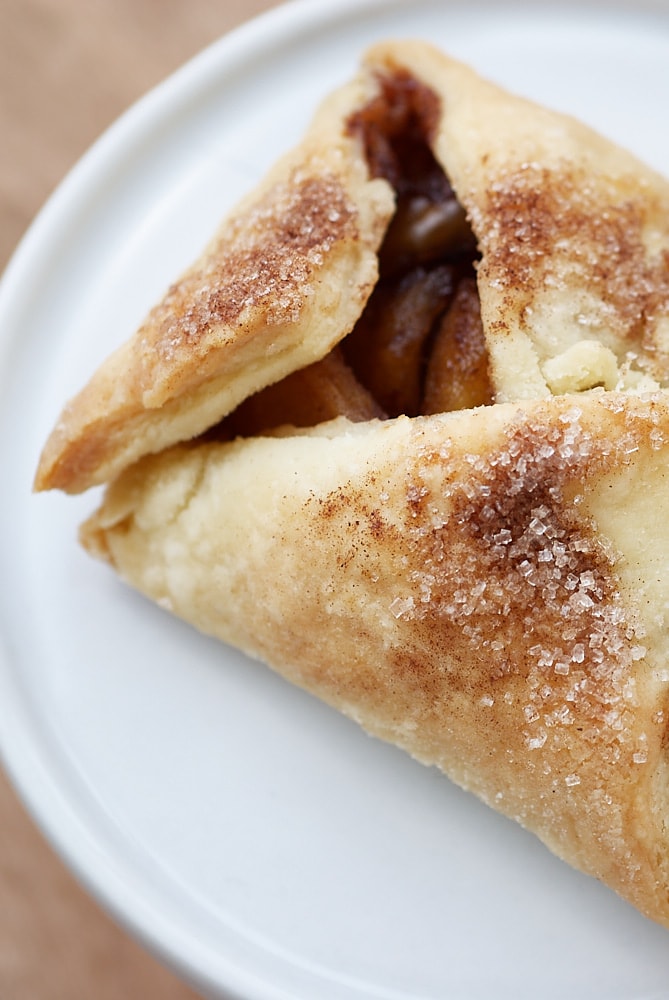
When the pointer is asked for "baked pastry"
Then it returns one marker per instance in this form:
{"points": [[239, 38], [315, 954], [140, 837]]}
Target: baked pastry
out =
{"points": [[403, 433]]}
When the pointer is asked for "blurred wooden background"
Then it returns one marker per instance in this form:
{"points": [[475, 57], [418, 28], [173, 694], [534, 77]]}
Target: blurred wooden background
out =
{"points": [[68, 68]]}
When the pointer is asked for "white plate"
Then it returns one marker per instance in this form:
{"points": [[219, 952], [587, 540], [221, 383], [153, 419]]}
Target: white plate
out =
{"points": [[254, 839]]}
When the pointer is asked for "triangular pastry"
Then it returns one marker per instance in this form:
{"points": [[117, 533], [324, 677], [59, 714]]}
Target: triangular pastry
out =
{"points": [[403, 434]]}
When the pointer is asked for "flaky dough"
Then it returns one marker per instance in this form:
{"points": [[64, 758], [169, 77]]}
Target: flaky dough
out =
{"points": [[486, 588]]}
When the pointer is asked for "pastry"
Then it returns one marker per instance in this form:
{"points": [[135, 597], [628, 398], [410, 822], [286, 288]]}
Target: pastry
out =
{"points": [[402, 433]]}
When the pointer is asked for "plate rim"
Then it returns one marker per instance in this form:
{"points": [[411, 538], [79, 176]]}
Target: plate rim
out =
{"points": [[22, 759]]}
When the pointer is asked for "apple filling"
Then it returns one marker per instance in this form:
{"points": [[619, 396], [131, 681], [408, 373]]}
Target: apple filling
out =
{"points": [[418, 346]]}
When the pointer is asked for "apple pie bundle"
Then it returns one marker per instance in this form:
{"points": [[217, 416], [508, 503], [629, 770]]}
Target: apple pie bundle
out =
{"points": [[402, 433]]}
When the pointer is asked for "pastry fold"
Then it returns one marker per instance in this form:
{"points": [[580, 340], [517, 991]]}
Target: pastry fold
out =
{"points": [[487, 589], [571, 230], [402, 433]]}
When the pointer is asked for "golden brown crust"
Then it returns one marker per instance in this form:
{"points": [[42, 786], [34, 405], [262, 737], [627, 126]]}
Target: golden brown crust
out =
{"points": [[572, 229], [462, 585], [290, 271], [487, 588], [283, 281]]}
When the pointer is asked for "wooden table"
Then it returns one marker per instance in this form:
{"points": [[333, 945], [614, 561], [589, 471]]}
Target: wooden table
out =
{"points": [[67, 69]]}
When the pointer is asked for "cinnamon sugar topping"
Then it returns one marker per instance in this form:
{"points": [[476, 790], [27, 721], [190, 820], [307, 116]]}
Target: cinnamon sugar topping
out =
{"points": [[544, 227], [265, 265], [523, 578]]}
